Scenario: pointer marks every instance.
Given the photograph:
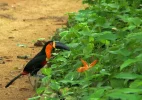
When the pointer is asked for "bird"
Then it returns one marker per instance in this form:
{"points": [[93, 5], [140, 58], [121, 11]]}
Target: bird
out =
{"points": [[35, 64]]}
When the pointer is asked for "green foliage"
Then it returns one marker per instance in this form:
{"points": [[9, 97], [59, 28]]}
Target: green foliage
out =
{"points": [[109, 31]]}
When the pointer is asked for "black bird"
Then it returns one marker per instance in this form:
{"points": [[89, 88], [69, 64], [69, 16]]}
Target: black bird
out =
{"points": [[35, 64]]}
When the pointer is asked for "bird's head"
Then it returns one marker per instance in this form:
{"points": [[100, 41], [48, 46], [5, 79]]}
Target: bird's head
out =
{"points": [[52, 45]]}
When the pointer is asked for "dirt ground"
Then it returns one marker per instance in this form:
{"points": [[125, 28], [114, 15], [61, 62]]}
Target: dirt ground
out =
{"points": [[23, 22]]}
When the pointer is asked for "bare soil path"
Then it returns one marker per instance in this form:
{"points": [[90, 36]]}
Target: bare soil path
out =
{"points": [[22, 22]]}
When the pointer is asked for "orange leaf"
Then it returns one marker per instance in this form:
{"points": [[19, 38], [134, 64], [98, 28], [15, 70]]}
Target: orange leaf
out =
{"points": [[85, 64], [93, 63], [82, 69]]}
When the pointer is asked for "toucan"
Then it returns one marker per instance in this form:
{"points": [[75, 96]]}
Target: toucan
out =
{"points": [[35, 64]]}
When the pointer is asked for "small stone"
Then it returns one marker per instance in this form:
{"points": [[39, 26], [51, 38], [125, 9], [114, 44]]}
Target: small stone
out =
{"points": [[0, 85], [11, 37], [2, 62], [40, 43], [3, 4], [23, 57], [23, 89]]}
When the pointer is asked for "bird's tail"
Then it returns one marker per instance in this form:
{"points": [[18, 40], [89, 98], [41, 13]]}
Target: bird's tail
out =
{"points": [[13, 80]]}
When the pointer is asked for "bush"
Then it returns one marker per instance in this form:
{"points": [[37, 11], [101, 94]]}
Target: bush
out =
{"points": [[109, 31]]}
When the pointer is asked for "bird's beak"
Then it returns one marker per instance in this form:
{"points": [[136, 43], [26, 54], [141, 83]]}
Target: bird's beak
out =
{"points": [[52, 45], [60, 45]]}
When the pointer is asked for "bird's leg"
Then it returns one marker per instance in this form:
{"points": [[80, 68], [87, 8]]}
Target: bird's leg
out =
{"points": [[39, 75]]}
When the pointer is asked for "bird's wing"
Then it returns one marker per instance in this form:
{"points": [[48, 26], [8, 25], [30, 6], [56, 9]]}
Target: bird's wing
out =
{"points": [[36, 61]]}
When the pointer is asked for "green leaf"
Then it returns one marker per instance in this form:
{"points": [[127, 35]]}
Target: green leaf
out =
{"points": [[46, 71], [66, 81], [136, 84], [70, 81], [117, 83], [136, 21], [45, 79], [107, 35], [122, 96], [73, 45], [61, 59], [21, 45], [130, 27], [113, 5], [41, 39], [69, 76], [34, 98], [130, 91], [91, 39], [104, 72], [127, 63], [80, 17], [55, 85], [100, 20], [99, 93], [124, 75], [134, 36], [139, 57], [66, 54], [64, 33], [123, 52], [88, 49], [40, 90]]}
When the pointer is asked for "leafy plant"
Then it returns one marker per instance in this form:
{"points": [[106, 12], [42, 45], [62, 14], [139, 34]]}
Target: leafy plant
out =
{"points": [[109, 31]]}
